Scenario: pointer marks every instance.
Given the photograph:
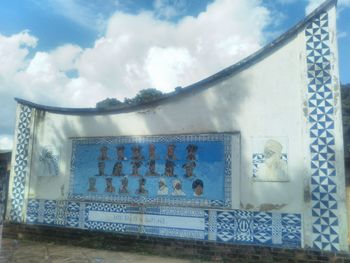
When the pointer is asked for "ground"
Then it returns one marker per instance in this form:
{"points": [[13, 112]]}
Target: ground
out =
{"points": [[23, 251]]}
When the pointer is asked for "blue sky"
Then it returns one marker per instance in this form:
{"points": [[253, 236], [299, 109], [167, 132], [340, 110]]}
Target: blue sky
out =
{"points": [[77, 52]]}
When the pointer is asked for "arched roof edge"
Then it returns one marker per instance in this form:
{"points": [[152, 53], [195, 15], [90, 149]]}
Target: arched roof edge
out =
{"points": [[235, 68]]}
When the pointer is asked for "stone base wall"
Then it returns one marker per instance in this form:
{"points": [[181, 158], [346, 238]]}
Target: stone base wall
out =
{"points": [[196, 250]]}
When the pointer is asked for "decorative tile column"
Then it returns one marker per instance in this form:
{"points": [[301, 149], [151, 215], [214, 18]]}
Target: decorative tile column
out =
{"points": [[325, 223], [21, 163]]}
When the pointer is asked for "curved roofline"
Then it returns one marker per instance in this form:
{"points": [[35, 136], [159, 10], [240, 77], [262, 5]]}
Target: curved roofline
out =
{"points": [[233, 69]]}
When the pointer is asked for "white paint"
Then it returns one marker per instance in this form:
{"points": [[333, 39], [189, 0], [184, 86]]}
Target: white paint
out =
{"points": [[193, 223], [265, 100]]}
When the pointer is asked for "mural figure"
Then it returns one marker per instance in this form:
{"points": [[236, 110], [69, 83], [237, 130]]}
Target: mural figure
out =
{"points": [[142, 187], [136, 153], [48, 162], [169, 168], [101, 168], [92, 184], [152, 168], [191, 152], [189, 166], [135, 168], [120, 153], [197, 187], [152, 152], [103, 154], [171, 152], [118, 169], [273, 168], [124, 186], [109, 186], [163, 188], [177, 186]]}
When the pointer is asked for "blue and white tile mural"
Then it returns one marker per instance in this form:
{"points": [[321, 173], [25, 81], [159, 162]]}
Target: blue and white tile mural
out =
{"points": [[230, 226], [21, 163], [190, 170], [321, 130]]}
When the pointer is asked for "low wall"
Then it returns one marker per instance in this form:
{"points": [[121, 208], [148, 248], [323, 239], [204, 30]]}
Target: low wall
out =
{"points": [[189, 249]]}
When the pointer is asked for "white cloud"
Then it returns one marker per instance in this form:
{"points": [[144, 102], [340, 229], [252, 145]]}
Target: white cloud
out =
{"points": [[83, 13], [6, 142], [313, 4], [136, 52], [169, 8], [13, 51], [179, 62]]}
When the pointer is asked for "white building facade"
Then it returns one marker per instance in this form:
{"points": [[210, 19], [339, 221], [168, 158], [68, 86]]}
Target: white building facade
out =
{"points": [[250, 155]]}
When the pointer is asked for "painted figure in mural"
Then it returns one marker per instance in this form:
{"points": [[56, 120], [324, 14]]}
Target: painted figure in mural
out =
{"points": [[152, 152], [142, 187], [118, 169], [92, 184], [135, 168], [136, 153], [109, 186], [48, 162], [171, 152], [177, 186], [124, 186], [189, 167], [191, 152], [152, 169], [197, 187], [169, 168], [163, 188], [103, 154], [101, 168], [273, 168], [120, 153]]}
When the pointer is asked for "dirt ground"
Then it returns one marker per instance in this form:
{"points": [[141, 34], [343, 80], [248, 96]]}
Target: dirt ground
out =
{"points": [[23, 251]]}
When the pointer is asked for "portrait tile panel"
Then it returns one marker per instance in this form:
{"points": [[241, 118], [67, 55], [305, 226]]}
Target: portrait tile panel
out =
{"points": [[179, 170]]}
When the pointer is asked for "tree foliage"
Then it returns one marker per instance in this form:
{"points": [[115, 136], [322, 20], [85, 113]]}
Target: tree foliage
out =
{"points": [[108, 103], [345, 93], [144, 96]]}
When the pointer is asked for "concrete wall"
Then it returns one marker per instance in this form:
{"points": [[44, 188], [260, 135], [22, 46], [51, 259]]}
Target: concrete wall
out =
{"points": [[269, 100]]}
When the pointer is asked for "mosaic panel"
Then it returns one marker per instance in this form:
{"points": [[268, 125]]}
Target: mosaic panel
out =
{"points": [[234, 226], [162, 170], [21, 163], [321, 129]]}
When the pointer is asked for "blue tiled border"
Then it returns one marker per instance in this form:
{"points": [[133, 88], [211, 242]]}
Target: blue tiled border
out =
{"points": [[234, 226], [21, 163], [325, 226]]}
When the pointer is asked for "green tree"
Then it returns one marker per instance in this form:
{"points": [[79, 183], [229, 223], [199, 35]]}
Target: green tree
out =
{"points": [[108, 103], [144, 96], [345, 92]]}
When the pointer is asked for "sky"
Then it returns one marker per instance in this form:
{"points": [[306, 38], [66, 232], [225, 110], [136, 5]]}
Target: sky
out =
{"points": [[74, 53]]}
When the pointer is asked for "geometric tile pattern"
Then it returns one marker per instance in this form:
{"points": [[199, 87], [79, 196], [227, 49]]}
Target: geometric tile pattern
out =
{"points": [[247, 227], [21, 163], [325, 226], [233, 226], [291, 229]]}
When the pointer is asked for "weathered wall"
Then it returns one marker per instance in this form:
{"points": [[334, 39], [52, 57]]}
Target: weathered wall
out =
{"points": [[289, 96]]}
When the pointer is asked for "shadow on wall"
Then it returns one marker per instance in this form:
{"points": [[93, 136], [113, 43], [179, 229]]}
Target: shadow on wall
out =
{"points": [[207, 109]]}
